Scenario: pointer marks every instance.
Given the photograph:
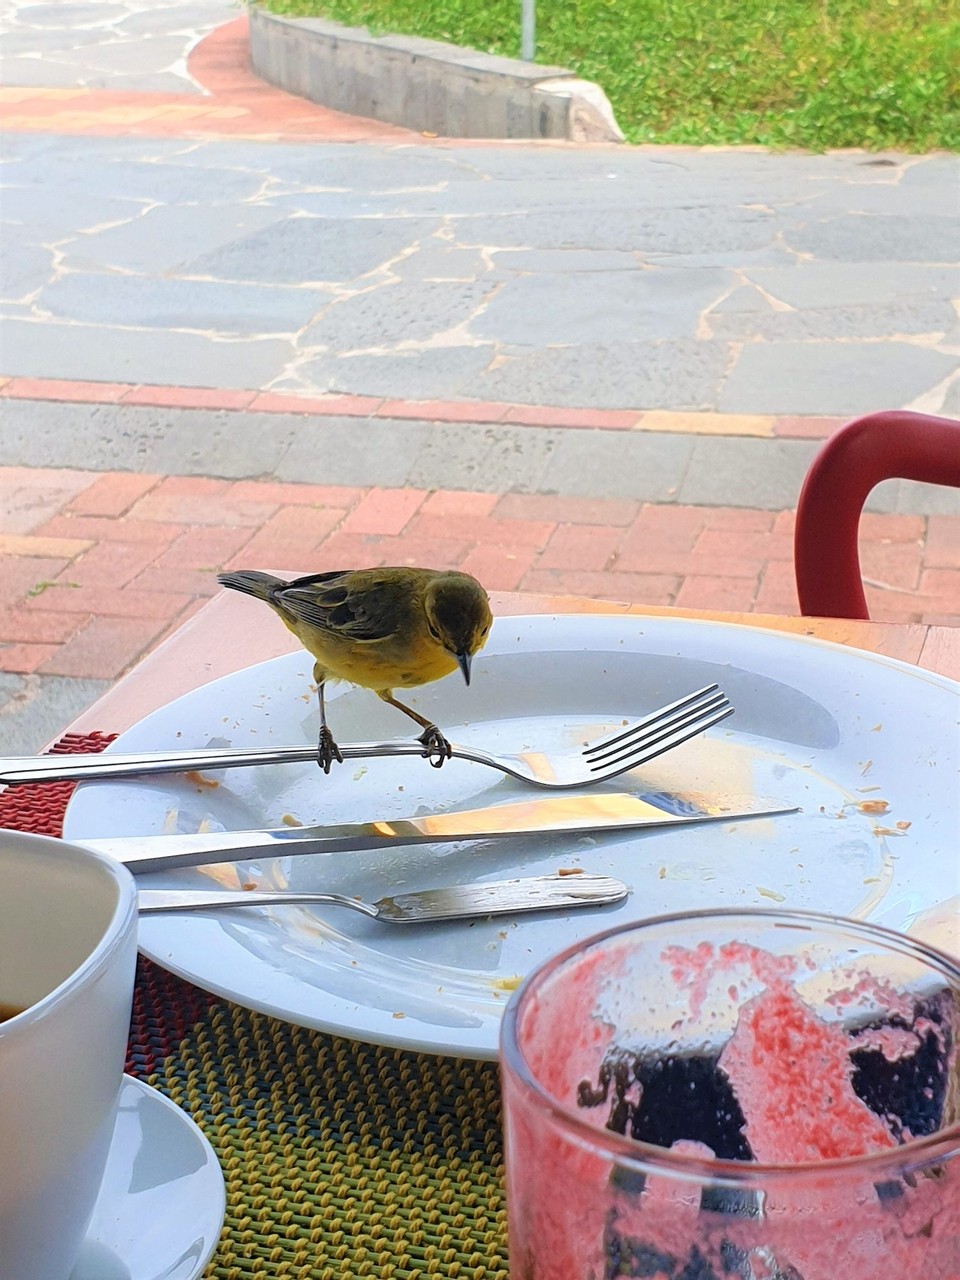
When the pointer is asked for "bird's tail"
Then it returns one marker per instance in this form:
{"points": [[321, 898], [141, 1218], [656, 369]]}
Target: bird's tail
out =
{"points": [[251, 582]]}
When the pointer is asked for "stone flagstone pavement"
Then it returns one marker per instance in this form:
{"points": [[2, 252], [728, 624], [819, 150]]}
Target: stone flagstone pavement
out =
{"points": [[236, 328]]}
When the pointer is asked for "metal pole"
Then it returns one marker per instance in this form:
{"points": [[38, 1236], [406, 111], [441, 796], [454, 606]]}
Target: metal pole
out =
{"points": [[528, 29]]}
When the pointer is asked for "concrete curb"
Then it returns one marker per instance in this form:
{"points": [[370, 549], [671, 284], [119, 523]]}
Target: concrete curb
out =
{"points": [[427, 85]]}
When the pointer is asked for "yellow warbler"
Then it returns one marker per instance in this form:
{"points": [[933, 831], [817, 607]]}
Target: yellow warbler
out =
{"points": [[378, 628]]}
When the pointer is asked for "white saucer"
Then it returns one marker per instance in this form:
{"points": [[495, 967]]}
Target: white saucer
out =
{"points": [[161, 1206]]}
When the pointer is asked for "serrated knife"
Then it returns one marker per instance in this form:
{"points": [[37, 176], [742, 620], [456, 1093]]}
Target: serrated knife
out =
{"points": [[556, 815]]}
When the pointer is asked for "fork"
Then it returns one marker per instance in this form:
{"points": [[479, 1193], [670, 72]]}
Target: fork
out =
{"points": [[656, 733], [455, 902]]}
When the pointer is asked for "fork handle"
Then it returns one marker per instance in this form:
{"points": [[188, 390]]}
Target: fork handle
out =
{"points": [[151, 900], [15, 770]]}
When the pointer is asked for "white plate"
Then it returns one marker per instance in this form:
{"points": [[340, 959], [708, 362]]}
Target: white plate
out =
{"points": [[161, 1205], [816, 724]]}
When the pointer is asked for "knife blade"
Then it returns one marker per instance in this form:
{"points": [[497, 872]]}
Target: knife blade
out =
{"points": [[453, 902], [556, 815]]}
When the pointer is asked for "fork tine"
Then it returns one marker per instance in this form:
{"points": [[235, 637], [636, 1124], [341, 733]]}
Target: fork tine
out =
{"points": [[636, 741], [687, 726], [654, 721], [651, 747], [640, 736]]}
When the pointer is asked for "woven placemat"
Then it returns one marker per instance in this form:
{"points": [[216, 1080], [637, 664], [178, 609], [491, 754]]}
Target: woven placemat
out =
{"points": [[340, 1159]]}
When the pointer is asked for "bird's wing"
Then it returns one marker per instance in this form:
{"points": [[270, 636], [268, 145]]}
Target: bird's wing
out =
{"points": [[355, 605]]}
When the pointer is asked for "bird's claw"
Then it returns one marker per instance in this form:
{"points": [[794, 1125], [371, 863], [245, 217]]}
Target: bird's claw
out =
{"points": [[436, 748], [327, 750]]}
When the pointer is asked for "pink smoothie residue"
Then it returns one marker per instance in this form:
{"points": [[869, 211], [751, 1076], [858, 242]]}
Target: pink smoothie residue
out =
{"points": [[792, 1077], [578, 1211], [691, 970]]}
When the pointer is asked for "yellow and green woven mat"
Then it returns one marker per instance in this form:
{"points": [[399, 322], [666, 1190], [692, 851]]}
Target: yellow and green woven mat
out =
{"points": [[340, 1159]]}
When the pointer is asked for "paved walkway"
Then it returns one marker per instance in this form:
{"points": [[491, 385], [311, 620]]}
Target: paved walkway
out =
{"points": [[229, 239], [238, 328]]}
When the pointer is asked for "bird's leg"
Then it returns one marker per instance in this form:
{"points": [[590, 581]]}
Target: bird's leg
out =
{"points": [[435, 746], [327, 749]]}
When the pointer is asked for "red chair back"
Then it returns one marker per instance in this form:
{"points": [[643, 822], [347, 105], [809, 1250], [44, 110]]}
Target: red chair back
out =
{"points": [[895, 444]]}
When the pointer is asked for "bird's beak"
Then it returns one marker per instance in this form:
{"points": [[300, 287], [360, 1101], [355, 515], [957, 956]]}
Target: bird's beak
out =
{"points": [[464, 660]]}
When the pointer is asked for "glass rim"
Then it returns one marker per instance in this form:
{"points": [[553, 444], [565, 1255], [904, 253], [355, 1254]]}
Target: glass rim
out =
{"points": [[940, 1144]]}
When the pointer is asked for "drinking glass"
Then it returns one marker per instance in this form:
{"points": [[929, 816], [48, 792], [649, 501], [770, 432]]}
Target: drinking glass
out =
{"points": [[723, 1095]]}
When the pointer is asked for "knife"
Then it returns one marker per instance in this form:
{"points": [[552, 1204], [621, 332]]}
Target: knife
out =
{"points": [[556, 815], [455, 902]]}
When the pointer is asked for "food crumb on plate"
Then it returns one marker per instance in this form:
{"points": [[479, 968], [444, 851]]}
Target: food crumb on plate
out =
{"points": [[199, 780], [873, 806], [570, 871], [771, 893], [507, 984], [289, 820], [249, 884]]}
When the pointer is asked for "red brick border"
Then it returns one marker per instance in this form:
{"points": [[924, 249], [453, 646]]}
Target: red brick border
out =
{"points": [[451, 411], [236, 104]]}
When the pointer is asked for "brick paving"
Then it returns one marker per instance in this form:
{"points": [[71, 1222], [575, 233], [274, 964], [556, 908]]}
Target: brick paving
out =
{"points": [[101, 566]]}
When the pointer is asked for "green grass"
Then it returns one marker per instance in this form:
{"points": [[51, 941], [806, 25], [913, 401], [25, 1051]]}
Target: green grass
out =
{"points": [[785, 73]]}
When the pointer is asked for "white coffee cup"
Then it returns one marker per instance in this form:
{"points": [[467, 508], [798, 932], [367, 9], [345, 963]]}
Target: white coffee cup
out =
{"points": [[68, 949]]}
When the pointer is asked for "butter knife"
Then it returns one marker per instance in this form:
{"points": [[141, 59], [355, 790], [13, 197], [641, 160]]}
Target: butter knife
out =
{"points": [[558, 815], [455, 902]]}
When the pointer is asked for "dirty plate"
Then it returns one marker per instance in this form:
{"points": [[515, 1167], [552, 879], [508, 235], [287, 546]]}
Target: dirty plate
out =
{"points": [[866, 745]]}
